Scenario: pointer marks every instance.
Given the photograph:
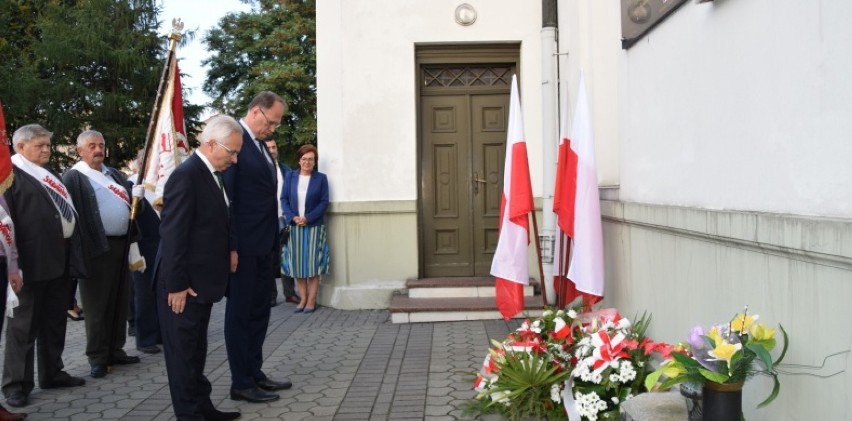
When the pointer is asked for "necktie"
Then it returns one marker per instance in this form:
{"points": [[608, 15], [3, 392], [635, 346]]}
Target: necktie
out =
{"points": [[268, 158], [61, 204], [220, 180]]}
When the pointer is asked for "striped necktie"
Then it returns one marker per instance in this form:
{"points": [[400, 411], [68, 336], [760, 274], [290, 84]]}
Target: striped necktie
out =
{"points": [[61, 204], [220, 180]]}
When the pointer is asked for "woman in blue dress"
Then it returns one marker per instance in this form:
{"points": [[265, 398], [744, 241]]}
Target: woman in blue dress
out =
{"points": [[304, 200]]}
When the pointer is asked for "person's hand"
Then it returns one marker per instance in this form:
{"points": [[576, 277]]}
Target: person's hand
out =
{"points": [[177, 300], [16, 282], [234, 260], [138, 191]]}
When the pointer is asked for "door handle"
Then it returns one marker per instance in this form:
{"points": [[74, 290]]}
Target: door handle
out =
{"points": [[476, 182]]}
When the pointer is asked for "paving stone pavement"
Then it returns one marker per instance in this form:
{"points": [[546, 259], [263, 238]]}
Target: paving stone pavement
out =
{"points": [[344, 365]]}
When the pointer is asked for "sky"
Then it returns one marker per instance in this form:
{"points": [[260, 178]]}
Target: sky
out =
{"points": [[201, 16]]}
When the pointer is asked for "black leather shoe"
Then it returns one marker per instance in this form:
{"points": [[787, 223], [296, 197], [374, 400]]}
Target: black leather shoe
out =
{"points": [[64, 381], [153, 349], [216, 415], [125, 359], [253, 394], [273, 302], [269, 384], [99, 370], [17, 399]]}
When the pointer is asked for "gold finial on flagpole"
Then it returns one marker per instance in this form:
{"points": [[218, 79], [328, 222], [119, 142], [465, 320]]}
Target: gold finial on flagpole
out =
{"points": [[175, 34]]}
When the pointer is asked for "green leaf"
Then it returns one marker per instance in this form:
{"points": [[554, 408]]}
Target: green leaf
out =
{"points": [[775, 389], [784, 349], [762, 354], [713, 376], [652, 378]]}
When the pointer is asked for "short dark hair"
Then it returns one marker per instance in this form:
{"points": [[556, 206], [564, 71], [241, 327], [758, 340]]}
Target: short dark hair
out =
{"points": [[305, 149], [265, 100]]}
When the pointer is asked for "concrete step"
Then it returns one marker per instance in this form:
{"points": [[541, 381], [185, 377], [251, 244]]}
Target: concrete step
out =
{"points": [[405, 309], [458, 287]]}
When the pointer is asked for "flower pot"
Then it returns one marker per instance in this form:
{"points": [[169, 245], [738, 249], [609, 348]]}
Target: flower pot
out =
{"points": [[722, 402]]}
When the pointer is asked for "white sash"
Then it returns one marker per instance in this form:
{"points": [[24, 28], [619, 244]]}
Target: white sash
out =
{"points": [[47, 180], [117, 190]]}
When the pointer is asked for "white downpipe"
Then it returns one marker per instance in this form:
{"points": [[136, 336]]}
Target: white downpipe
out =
{"points": [[550, 147]]}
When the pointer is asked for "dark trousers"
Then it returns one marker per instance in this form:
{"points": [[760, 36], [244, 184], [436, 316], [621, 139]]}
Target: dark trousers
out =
{"points": [[246, 319], [39, 318], [106, 299], [185, 350], [288, 287], [145, 305]]}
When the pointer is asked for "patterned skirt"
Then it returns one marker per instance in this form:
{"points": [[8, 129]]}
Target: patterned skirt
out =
{"points": [[306, 254]]}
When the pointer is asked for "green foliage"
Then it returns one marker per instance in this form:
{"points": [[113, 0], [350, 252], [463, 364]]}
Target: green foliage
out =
{"points": [[75, 65], [273, 48]]}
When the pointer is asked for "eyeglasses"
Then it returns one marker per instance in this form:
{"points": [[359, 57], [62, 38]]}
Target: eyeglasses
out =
{"points": [[307, 160], [230, 151], [269, 122]]}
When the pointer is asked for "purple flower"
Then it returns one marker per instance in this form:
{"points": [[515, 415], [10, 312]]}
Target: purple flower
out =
{"points": [[696, 339]]}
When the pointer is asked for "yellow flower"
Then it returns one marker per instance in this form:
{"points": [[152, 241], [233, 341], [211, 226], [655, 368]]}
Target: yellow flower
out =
{"points": [[715, 335], [725, 351], [673, 370], [760, 332], [742, 323]]}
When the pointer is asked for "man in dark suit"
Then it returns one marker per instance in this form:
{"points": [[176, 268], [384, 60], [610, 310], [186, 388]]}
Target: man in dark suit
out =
{"points": [[193, 265], [46, 228], [251, 186], [288, 286]]}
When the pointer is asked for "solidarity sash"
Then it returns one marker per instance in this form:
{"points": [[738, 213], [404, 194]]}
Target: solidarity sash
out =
{"points": [[54, 187], [117, 190]]}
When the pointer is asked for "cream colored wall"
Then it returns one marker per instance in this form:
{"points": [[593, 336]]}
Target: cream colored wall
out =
{"points": [[367, 127], [694, 267]]}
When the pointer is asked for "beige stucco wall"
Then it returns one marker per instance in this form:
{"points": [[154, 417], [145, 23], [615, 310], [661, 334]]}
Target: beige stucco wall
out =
{"points": [[694, 267]]}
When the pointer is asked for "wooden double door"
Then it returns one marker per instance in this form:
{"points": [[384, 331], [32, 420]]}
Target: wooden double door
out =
{"points": [[463, 148]]}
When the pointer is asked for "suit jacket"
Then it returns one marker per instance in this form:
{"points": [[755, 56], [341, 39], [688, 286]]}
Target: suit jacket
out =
{"points": [[316, 201], [194, 249], [38, 232], [251, 186], [94, 238]]}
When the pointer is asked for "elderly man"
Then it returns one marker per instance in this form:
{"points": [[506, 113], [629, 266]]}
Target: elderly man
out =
{"points": [[193, 265], [45, 224], [252, 187], [103, 208]]}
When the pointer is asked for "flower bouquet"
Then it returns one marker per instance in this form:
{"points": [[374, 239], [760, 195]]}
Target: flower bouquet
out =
{"points": [[727, 354], [565, 365], [612, 362], [524, 375]]}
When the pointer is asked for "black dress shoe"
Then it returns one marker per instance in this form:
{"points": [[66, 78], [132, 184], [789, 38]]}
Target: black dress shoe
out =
{"points": [[17, 399], [153, 349], [273, 302], [216, 415], [125, 359], [253, 394], [64, 381], [293, 299], [269, 384], [99, 370]]}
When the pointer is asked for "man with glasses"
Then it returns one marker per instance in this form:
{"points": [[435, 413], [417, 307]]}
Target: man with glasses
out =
{"points": [[251, 185]]}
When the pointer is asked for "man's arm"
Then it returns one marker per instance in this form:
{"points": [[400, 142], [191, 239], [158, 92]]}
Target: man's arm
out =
{"points": [[175, 228]]}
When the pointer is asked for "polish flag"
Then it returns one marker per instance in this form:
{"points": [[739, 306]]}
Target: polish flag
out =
{"points": [[6, 175], [510, 265], [577, 206]]}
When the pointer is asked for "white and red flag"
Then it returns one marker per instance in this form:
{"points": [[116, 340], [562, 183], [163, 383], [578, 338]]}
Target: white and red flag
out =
{"points": [[576, 203], [169, 147], [510, 265]]}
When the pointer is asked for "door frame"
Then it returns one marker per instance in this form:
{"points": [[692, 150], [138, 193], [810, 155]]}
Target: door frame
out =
{"points": [[447, 54]]}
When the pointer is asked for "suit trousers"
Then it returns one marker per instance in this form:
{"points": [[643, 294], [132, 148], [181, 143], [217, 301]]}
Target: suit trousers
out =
{"points": [[185, 350], [40, 317], [246, 319], [106, 300], [145, 305]]}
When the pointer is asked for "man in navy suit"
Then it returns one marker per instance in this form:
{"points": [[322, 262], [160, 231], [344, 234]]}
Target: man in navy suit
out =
{"points": [[193, 265], [251, 185], [288, 286]]}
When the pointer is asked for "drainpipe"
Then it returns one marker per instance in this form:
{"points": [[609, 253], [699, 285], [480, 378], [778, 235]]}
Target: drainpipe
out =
{"points": [[550, 135]]}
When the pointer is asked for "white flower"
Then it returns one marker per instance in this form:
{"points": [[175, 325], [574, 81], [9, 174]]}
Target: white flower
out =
{"points": [[572, 314], [614, 400], [546, 313], [555, 393]]}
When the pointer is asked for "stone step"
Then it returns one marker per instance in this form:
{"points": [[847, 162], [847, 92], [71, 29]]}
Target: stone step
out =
{"points": [[458, 287], [405, 309]]}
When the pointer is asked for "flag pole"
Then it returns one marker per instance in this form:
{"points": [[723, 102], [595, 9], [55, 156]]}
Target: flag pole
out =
{"points": [[538, 254], [174, 38]]}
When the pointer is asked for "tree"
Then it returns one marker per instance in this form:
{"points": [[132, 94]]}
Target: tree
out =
{"points": [[81, 64], [273, 48]]}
